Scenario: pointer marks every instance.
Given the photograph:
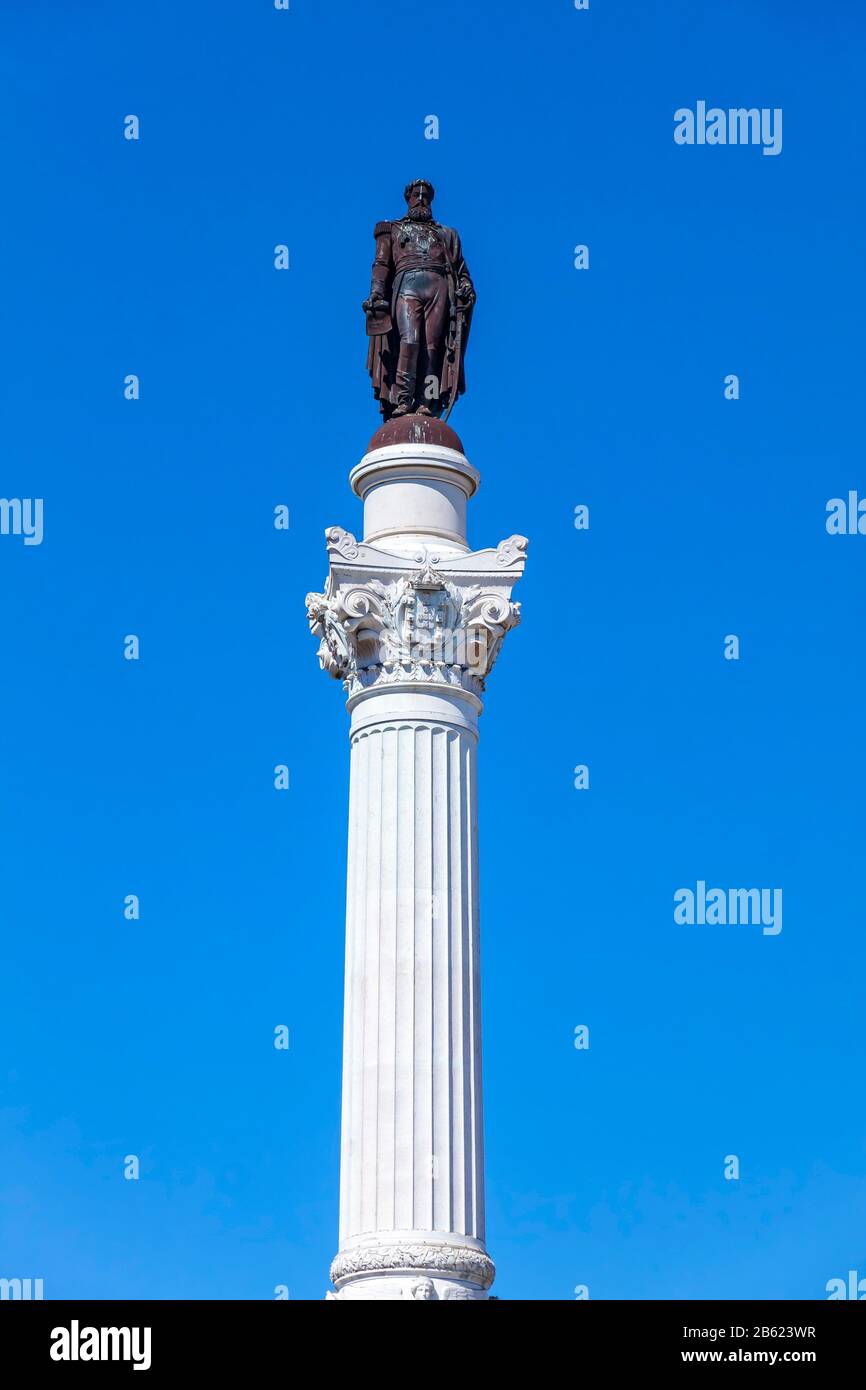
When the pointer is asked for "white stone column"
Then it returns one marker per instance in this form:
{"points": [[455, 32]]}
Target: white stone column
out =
{"points": [[412, 624]]}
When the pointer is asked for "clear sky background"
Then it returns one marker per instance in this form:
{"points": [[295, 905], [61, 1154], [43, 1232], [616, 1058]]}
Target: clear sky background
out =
{"points": [[707, 517]]}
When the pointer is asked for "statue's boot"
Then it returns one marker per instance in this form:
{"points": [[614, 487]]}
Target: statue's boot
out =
{"points": [[432, 405], [407, 366]]}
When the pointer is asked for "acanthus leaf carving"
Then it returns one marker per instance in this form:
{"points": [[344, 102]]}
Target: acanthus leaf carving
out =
{"points": [[458, 1261]]}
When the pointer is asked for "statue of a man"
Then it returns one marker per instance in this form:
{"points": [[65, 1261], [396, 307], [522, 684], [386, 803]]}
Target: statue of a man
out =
{"points": [[418, 312]]}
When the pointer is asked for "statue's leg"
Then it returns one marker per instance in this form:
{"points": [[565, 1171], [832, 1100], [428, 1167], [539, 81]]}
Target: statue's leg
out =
{"points": [[409, 320], [436, 319]]}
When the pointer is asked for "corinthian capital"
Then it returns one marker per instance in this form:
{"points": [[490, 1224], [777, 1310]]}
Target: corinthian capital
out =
{"points": [[379, 621]]}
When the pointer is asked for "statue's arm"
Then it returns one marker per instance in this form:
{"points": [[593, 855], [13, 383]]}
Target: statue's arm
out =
{"points": [[383, 265], [465, 287]]}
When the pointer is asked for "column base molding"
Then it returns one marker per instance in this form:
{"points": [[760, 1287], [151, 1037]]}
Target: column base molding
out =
{"points": [[413, 1268]]}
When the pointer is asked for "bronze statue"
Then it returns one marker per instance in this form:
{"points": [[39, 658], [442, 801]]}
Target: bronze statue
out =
{"points": [[418, 312]]}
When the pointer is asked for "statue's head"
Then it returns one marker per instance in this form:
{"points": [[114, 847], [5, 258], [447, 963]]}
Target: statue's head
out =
{"points": [[424, 1290], [419, 196]]}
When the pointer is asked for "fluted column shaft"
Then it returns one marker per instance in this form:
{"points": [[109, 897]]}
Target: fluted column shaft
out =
{"points": [[412, 1145]]}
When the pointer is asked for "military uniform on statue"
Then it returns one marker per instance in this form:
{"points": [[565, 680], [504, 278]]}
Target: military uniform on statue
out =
{"points": [[418, 312]]}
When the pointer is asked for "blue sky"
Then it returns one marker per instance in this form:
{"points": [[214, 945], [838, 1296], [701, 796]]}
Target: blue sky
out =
{"points": [[258, 127]]}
